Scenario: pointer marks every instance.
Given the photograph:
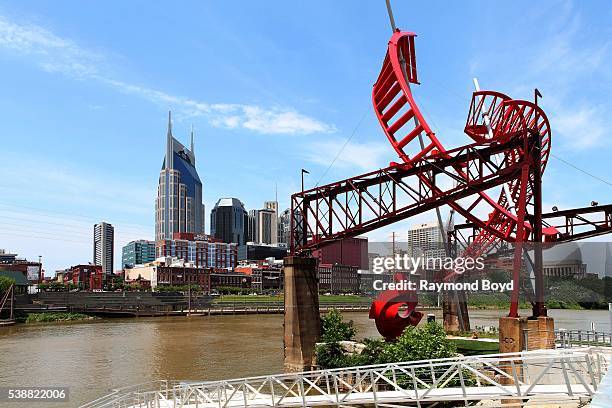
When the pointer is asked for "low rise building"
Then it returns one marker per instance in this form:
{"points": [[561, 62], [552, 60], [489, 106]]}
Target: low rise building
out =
{"points": [[87, 276], [267, 280], [338, 278], [170, 273], [230, 280], [31, 270], [367, 278], [259, 252], [21, 283], [137, 252], [200, 250], [571, 268]]}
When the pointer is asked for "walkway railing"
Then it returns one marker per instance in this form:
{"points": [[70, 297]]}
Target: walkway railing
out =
{"points": [[582, 338], [542, 376]]}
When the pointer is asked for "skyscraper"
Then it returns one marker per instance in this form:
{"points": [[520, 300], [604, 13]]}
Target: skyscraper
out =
{"points": [[252, 226], [263, 224], [179, 206], [284, 227], [229, 221], [272, 206], [425, 240], [103, 243]]}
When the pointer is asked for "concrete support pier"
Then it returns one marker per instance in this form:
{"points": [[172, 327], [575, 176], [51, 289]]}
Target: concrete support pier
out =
{"points": [[455, 312], [302, 320], [520, 333]]}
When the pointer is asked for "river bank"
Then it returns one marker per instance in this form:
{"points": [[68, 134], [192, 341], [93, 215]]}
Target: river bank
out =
{"points": [[49, 317]]}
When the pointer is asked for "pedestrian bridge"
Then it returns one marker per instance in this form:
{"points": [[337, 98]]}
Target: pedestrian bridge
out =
{"points": [[533, 377]]}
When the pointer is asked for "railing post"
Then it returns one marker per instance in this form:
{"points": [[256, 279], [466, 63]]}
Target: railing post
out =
{"points": [[563, 338]]}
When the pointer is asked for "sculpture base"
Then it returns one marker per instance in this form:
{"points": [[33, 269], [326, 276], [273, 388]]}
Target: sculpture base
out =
{"points": [[520, 333]]}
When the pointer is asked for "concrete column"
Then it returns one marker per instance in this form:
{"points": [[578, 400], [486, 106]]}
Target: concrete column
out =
{"points": [[454, 311], [519, 333], [511, 334], [302, 323]]}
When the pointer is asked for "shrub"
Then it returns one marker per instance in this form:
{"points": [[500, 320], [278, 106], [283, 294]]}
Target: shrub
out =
{"points": [[5, 283], [415, 343]]}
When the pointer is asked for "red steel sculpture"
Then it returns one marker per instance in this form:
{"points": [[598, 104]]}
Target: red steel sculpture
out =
{"points": [[511, 147]]}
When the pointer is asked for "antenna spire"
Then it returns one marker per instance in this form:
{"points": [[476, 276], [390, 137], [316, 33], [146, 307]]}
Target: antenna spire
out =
{"points": [[192, 140], [169, 143]]}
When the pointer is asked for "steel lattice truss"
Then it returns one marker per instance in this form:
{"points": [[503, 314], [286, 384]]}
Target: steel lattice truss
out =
{"points": [[561, 226], [363, 203]]}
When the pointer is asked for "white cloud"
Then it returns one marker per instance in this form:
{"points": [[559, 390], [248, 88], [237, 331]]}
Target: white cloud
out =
{"points": [[363, 156], [563, 62], [281, 121], [582, 128], [55, 54]]}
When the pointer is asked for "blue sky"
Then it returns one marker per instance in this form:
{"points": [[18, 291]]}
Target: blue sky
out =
{"points": [[270, 87]]}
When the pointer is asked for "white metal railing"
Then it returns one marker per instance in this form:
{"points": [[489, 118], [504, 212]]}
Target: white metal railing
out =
{"points": [[582, 338], [543, 375]]}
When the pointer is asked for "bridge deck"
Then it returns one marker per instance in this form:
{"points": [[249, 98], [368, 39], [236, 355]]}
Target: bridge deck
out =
{"points": [[550, 392], [553, 375]]}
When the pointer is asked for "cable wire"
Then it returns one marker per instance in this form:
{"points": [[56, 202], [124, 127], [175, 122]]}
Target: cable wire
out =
{"points": [[581, 170], [344, 145]]}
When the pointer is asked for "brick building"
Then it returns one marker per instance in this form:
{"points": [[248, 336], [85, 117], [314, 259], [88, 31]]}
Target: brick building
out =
{"points": [[348, 251], [86, 277], [229, 279], [32, 271], [201, 251], [170, 275], [267, 280], [177, 276], [338, 278]]}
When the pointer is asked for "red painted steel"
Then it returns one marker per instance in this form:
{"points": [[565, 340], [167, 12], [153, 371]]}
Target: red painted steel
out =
{"points": [[503, 130]]}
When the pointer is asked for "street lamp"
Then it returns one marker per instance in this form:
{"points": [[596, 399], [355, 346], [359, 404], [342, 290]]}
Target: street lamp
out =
{"points": [[304, 171], [39, 269]]}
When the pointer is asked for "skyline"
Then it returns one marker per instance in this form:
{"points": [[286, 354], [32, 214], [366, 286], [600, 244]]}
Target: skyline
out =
{"points": [[78, 79]]}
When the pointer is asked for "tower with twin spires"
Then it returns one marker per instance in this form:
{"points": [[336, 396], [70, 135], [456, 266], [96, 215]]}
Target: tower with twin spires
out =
{"points": [[179, 206]]}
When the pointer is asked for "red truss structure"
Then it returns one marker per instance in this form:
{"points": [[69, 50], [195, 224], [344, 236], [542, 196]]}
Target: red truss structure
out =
{"points": [[561, 226], [510, 149]]}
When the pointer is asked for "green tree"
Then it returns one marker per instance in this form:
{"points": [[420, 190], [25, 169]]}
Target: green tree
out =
{"points": [[334, 328], [5, 283]]}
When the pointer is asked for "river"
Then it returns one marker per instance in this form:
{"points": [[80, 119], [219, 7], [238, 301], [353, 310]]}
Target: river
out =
{"points": [[94, 356]]}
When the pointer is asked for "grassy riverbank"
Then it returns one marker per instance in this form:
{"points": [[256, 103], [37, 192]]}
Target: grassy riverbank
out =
{"points": [[481, 301], [469, 347], [325, 299], [55, 317]]}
